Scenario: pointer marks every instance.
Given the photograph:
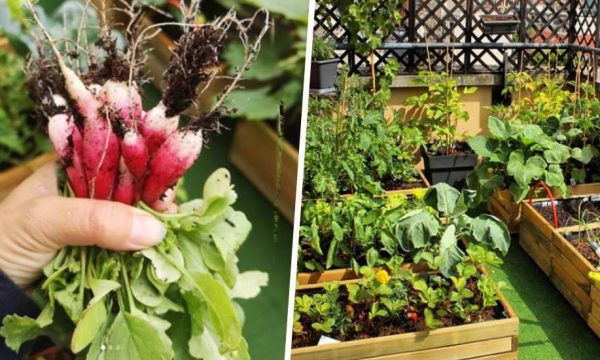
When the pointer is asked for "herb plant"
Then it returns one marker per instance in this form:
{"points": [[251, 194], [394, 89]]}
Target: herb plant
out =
{"points": [[323, 49], [440, 109]]}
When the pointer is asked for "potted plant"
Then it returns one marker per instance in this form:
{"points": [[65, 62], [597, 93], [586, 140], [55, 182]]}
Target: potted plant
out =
{"points": [[501, 23], [323, 68], [447, 158]]}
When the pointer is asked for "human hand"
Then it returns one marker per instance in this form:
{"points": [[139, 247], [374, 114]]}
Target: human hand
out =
{"points": [[35, 222]]}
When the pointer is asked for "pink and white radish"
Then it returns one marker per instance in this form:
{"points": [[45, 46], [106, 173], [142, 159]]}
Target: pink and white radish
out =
{"points": [[157, 127], [125, 186], [124, 100], [135, 153], [66, 139], [173, 159]]}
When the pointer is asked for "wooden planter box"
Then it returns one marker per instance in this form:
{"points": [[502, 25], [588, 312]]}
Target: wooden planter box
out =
{"points": [[491, 340], [562, 263], [11, 178], [501, 204], [254, 153]]}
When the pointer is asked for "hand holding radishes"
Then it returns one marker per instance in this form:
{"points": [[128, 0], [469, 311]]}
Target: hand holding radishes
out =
{"points": [[112, 149], [36, 223]]}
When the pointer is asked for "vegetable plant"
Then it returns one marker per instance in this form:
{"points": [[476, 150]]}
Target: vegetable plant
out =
{"points": [[393, 301], [518, 155], [350, 232], [175, 300], [352, 146], [440, 110]]}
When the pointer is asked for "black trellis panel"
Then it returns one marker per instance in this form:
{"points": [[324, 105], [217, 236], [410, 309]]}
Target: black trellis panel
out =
{"points": [[575, 23]]}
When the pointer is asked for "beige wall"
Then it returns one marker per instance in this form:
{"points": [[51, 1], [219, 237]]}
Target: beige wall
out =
{"points": [[477, 105]]}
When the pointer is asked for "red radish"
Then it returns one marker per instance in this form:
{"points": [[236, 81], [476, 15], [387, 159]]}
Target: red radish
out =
{"points": [[123, 99], [172, 160], [67, 142], [135, 153], [157, 127], [125, 186]]}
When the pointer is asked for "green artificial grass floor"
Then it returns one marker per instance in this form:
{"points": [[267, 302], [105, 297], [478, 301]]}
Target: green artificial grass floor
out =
{"points": [[549, 327], [266, 315]]}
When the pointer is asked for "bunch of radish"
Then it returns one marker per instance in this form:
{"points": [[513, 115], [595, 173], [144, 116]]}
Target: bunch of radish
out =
{"points": [[109, 146]]}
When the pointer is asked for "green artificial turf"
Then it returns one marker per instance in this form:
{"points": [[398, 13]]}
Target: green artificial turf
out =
{"points": [[549, 327], [265, 250]]}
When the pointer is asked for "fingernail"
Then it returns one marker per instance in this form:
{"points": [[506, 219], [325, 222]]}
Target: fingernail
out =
{"points": [[146, 231]]}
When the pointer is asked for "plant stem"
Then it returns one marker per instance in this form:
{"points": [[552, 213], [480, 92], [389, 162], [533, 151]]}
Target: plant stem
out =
{"points": [[83, 257], [126, 283], [373, 86]]}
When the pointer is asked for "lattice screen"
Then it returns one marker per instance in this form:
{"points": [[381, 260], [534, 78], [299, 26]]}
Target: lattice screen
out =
{"points": [[459, 21]]}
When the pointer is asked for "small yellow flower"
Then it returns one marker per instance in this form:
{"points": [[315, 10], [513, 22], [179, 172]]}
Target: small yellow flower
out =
{"points": [[298, 328], [382, 276], [419, 193]]}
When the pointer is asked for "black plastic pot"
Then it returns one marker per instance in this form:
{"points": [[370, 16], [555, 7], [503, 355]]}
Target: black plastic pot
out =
{"points": [[451, 169], [500, 24], [323, 74]]}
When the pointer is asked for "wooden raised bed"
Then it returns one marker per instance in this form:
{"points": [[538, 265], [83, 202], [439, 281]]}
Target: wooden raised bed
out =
{"points": [[11, 178], [567, 269], [501, 204], [254, 153], [490, 340], [407, 192]]}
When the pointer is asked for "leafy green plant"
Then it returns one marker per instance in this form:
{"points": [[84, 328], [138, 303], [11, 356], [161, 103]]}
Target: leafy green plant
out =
{"points": [[516, 156], [437, 242], [440, 109], [350, 232], [323, 49], [21, 136], [370, 22], [400, 300], [176, 298], [351, 146]]}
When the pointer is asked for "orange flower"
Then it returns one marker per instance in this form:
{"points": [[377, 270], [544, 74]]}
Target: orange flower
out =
{"points": [[350, 310]]}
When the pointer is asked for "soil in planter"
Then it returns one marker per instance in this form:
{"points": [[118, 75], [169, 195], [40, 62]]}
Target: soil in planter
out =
{"points": [[459, 149], [581, 243], [569, 211], [396, 184], [401, 324]]}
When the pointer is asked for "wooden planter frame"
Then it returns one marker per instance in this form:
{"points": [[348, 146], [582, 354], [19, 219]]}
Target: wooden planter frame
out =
{"points": [[490, 340], [502, 205], [566, 268]]}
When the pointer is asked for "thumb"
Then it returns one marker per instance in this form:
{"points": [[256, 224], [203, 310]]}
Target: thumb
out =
{"points": [[56, 222]]}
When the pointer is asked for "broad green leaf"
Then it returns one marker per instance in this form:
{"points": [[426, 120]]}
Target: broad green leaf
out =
{"points": [[491, 232], [450, 252], [443, 198], [554, 176], [482, 146], [17, 330], [223, 316], [230, 234], [585, 154], [101, 288], [212, 257], [145, 292], [499, 129], [91, 323], [249, 284], [162, 267], [415, 229], [133, 338], [218, 184], [557, 154]]}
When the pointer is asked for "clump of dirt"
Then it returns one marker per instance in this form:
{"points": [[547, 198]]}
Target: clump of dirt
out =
{"points": [[581, 242], [195, 55], [397, 184]]}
